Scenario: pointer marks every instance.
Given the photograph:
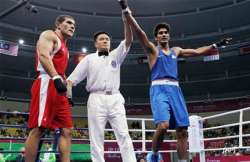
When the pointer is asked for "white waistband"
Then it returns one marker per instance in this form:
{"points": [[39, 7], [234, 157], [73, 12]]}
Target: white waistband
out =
{"points": [[106, 92], [165, 82], [44, 76]]}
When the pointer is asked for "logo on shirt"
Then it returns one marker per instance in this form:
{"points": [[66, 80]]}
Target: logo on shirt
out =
{"points": [[173, 57], [113, 64]]}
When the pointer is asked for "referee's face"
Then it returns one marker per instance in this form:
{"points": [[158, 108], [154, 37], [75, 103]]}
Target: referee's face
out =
{"points": [[102, 42]]}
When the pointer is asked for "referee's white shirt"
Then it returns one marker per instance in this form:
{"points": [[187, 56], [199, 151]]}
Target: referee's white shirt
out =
{"points": [[102, 72]]}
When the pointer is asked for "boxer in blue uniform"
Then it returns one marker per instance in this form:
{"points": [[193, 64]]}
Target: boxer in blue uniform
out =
{"points": [[167, 102]]}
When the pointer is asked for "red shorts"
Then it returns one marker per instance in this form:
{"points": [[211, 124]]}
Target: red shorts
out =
{"points": [[48, 109]]}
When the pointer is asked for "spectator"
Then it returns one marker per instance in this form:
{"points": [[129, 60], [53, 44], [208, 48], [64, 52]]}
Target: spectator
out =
{"points": [[48, 156], [20, 157], [2, 157], [141, 159]]}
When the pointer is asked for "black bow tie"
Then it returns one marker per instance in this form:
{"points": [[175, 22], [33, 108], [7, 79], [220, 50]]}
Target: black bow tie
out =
{"points": [[103, 53]]}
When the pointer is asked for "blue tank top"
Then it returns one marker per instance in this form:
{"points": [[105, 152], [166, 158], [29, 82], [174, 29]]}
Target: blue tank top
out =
{"points": [[165, 66]]}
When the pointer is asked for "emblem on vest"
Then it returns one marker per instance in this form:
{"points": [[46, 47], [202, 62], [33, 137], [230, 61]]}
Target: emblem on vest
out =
{"points": [[113, 64], [173, 57]]}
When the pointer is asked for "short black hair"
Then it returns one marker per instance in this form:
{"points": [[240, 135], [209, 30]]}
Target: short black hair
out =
{"points": [[61, 18], [96, 34], [160, 26]]}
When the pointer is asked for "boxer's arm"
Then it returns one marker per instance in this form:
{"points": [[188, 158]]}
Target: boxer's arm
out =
{"points": [[127, 33], [45, 46], [201, 50], [148, 46], [192, 52]]}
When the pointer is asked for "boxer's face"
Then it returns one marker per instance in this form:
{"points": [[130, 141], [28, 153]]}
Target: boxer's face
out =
{"points": [[162, 36], [67, 27], [102, 42]]}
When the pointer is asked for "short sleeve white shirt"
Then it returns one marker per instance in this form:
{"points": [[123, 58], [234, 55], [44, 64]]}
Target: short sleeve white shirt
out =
{"points": [[102, 72]]}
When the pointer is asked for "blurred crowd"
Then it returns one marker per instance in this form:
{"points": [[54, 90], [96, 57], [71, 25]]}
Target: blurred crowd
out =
{"points": [[81, 132]]}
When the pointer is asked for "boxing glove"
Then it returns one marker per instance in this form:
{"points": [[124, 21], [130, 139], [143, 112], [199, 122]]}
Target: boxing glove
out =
{"points": [[59, 85], [223, 42], [123, 4]]}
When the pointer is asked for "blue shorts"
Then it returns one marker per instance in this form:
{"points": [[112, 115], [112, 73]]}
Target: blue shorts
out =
{"points": [[168, 105]]}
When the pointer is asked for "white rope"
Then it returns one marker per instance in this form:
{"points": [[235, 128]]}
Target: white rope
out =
{"points": [[220, 138], [226, 113]]}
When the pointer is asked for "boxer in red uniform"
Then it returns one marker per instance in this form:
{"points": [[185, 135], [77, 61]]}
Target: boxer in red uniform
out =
{"points": [[49, 107]]}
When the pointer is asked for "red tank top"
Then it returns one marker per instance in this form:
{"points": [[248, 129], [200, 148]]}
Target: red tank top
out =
{"points": [[60, 58]]}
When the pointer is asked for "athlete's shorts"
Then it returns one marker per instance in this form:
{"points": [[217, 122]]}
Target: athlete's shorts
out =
{"points": [[168, 105], [48, 109]]}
